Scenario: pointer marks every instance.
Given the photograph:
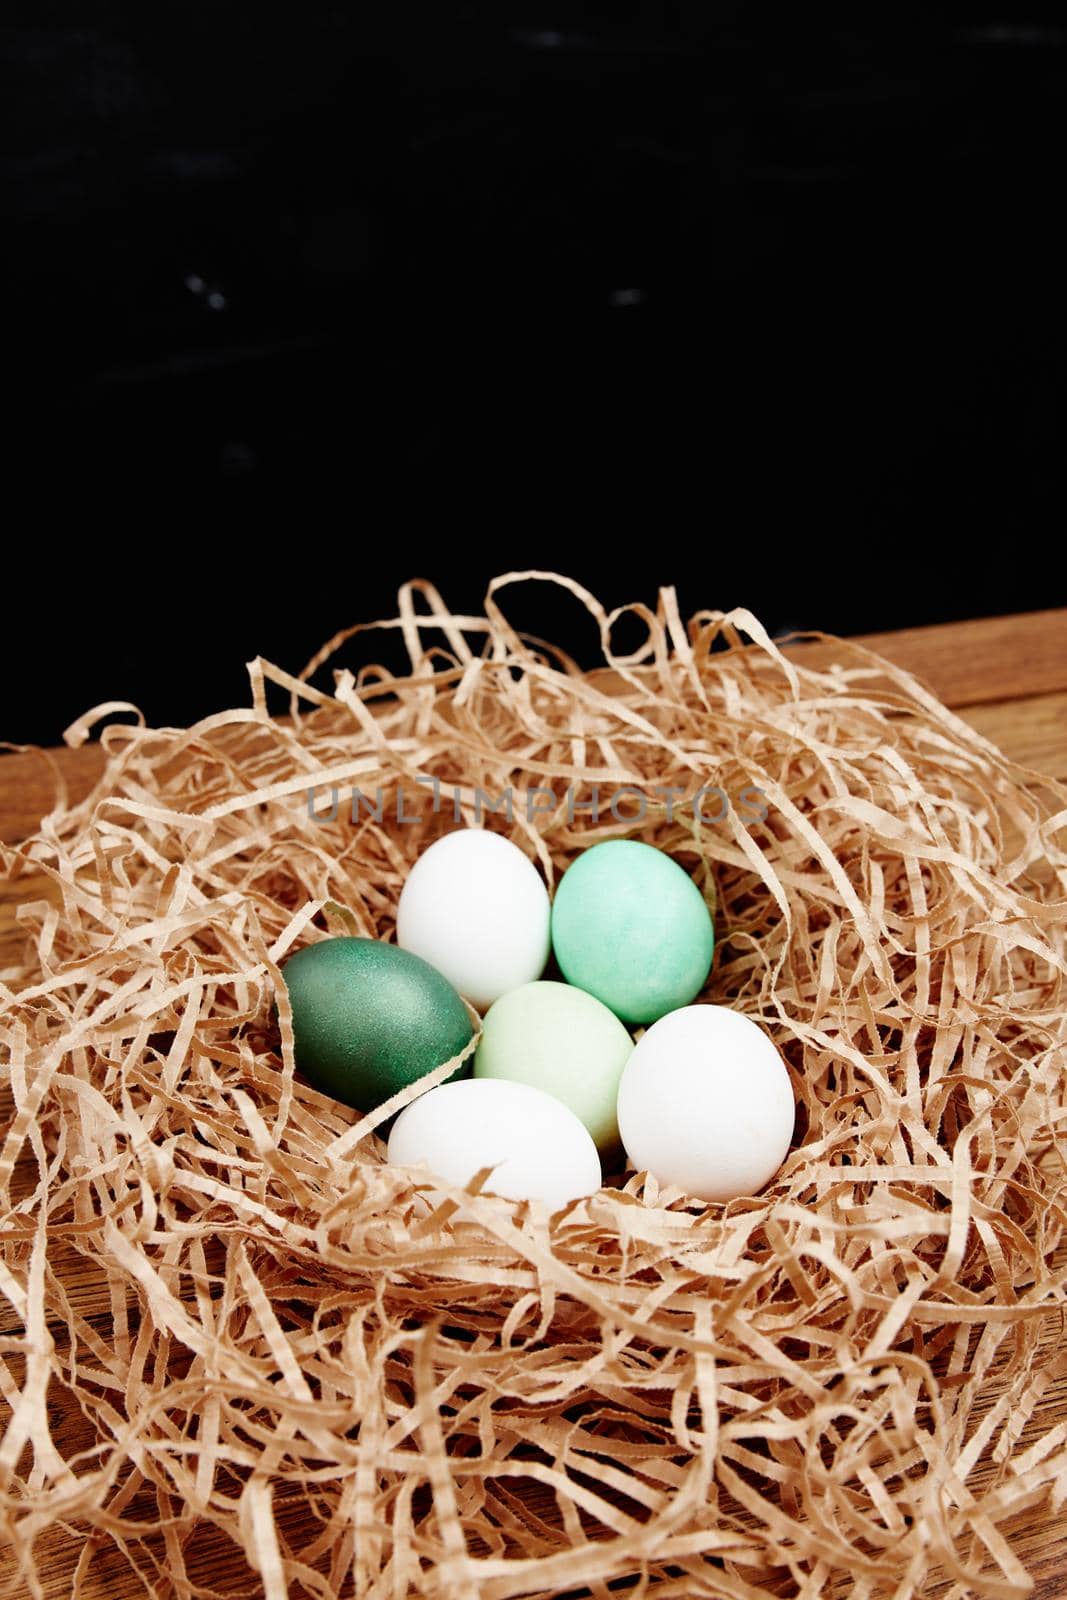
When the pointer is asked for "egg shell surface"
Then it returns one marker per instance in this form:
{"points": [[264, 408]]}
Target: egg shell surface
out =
{"points": [[368, 1019], [477, 909], [705, 1103], [631, 927], [564, 1041], [537, 1147]]}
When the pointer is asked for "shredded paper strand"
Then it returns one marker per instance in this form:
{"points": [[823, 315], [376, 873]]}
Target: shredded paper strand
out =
{"points": [[241, 1354]]}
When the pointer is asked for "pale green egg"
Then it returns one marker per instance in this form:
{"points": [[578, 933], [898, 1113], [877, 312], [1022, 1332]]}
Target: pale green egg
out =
{"points": [[563, 1041]]}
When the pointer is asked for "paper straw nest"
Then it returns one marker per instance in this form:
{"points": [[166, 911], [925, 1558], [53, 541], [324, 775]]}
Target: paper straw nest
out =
{"points": [[252, 1347]]}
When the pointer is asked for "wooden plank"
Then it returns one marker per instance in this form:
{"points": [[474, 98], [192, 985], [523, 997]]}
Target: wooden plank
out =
{"points": [[971, 663], [992, 658], [29, 789], [1032, 732]]}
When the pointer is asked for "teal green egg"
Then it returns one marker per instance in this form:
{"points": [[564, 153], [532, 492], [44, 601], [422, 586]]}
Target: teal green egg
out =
{"points": [[368, 1019], [631, 927], [562, 1040]]}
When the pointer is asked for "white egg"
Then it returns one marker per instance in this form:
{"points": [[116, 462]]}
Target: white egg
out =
{"points": [[535, 1144], [705, 1103], [477, 909]]}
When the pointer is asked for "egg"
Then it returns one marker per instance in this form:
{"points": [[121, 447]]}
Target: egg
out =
{"points": [[705, 1103], [632, 928], [477, 909], [368, 1019], [536, 1146], [561, 1040]]}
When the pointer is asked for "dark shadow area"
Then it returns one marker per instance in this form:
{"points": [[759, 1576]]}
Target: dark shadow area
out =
{"points": [[303, 303]]}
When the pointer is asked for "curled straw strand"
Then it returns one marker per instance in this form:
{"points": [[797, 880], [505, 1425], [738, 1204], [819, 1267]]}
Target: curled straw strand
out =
{"points": [[238, 1351]]}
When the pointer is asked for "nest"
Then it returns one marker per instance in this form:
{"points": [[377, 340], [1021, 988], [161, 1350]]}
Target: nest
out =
{"points": [[241, 1356]]}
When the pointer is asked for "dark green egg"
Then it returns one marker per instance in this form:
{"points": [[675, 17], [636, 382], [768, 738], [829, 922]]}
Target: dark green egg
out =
{"points": [[370, 1018]]}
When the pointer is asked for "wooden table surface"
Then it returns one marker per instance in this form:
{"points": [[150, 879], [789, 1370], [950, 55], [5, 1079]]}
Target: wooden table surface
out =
{"points": [[1006, 676]]}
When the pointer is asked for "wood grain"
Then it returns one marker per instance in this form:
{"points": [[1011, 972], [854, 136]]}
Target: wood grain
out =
{"points": [[972, 663], [1032, 732], [30, 785], [1007, 677]]}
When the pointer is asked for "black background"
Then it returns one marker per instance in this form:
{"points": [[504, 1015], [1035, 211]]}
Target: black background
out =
{"points": [[306, 300]]}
